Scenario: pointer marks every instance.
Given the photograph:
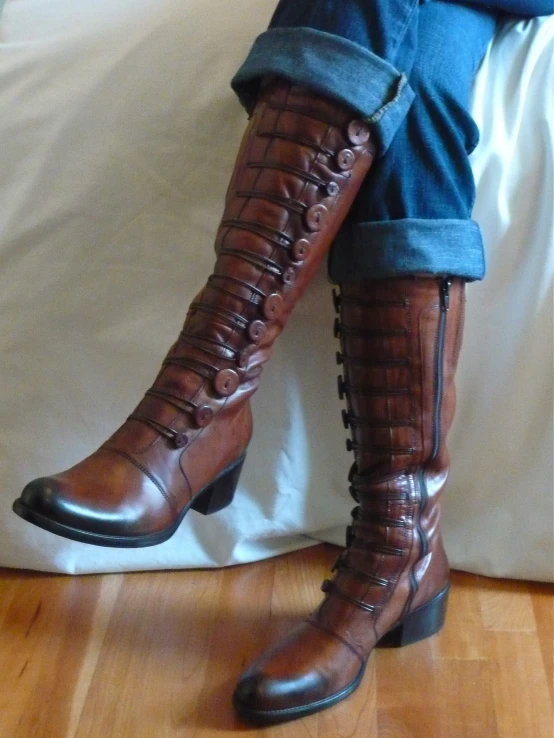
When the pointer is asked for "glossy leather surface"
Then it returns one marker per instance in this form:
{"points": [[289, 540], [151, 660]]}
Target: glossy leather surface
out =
{"points": [[299, 167], [400, 340]]}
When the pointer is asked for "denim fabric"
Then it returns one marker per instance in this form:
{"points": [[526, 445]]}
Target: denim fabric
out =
{"points": [[413, 212], [410, 246], [523, 8]]}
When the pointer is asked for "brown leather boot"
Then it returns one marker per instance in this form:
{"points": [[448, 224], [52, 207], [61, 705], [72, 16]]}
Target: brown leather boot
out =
{"points": [[301, 162], [400, 341]]}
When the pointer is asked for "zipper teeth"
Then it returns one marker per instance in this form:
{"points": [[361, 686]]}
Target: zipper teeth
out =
{"points": [[439, 380], [445, 294], [424, 543], [444, 288]]}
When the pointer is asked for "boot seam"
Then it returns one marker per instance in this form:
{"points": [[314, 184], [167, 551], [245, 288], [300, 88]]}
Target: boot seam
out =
{"points": [[165, 494], [339, 638]]}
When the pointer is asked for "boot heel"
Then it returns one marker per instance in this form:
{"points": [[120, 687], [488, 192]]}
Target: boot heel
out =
{"points": [[220, 492], [421, 623]]}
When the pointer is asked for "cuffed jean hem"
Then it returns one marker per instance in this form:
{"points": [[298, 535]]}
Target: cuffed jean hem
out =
{"points": [[333, 66], [410, 246]]}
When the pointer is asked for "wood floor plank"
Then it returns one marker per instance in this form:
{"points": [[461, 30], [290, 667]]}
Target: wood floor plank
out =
{"points": [[405, 680], [522, 702], [543, 607], [44, 638], [155, 652], [423, 697], [464, 700], [461, 636], [109, 591], [10, 583], [506, 605]]}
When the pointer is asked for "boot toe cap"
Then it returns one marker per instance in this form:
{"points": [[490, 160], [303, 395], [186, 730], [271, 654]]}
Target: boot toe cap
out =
{"points": [[41, 496], [262, 698], [107, 500], [46, 503]]}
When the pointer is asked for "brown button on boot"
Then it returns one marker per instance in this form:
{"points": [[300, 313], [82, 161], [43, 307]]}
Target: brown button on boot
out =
{"points": [[301, 162], [400, 340]]}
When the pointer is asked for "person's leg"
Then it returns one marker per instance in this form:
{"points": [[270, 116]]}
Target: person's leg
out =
{"points": [[400, 324]]}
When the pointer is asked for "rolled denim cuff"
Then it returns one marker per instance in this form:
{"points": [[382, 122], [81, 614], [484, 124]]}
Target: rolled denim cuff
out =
{"points": [[410, 246], [333, 66]]}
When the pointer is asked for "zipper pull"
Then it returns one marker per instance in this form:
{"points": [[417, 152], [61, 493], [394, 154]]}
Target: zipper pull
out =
{"points": [[445, 286]]}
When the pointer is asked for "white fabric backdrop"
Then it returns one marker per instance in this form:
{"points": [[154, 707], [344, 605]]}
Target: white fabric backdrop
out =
{"points": [[118, 134]]}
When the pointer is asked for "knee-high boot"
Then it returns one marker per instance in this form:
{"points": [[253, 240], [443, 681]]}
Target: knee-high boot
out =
{"points": [[300, 165], [400, 340]]}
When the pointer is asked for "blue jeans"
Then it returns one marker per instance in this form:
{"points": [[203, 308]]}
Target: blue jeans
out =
{"points": [[406, 67]]}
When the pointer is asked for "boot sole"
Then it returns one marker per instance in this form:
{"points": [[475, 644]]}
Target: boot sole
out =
{"points": [[215, 496], [422, 623]]}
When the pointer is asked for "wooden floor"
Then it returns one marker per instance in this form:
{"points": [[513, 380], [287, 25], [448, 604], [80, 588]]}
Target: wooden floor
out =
{"points": [[156, 655]]}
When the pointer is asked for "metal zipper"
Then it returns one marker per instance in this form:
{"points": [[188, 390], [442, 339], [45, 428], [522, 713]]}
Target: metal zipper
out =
{"points": [[423, 543], [439, 361], [439, 354], [444, 288]]}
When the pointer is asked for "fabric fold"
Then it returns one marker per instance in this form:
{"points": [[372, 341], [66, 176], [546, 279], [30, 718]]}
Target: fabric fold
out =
{"points": [[334, 66], [393, 248]]}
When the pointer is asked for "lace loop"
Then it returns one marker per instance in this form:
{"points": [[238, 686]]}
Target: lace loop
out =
{"points": [[331, 587], [294, 205], [256, 260], [300, 173], [272, 235], [296, 139], [179, 438]]}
